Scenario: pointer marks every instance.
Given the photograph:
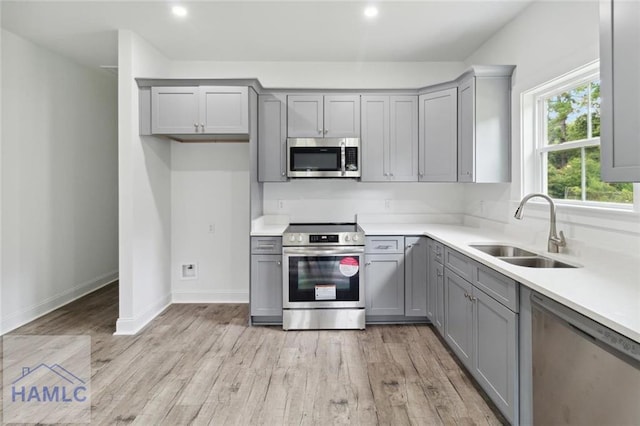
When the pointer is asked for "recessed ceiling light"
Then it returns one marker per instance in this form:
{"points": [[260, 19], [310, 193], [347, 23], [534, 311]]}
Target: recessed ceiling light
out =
{"points": [[371, 12], [179, 11]]}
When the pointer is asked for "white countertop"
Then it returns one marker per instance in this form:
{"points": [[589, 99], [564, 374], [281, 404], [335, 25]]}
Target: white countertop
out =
{"points": [[606, 289]]}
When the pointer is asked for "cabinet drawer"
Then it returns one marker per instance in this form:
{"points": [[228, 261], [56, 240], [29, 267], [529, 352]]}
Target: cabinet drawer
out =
{"points": [[496, 285], [437, 249], [266, 245], [384, 245], [459, 263]]}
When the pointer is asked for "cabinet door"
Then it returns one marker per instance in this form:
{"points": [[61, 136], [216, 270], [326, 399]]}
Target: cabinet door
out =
{"points": [[174, 110], [438, 136], [439, 305], [466, 130], [495, 361], [619, 71], [415, 268], [458, 322], [342, 116], [435, 287], [375, 138], [224, 109], [403, 138], [304, 116], [384, 284], [272, 138], [266, 285]]}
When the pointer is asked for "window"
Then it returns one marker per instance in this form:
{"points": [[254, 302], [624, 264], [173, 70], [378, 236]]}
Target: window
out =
{"points": [[567, 142]]}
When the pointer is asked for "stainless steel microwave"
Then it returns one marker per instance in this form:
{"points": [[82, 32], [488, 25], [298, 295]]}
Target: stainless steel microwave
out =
{"points": [[323, 158]]}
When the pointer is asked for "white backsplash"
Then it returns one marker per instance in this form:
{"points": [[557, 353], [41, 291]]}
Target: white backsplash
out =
{"points": [[335, 200]]}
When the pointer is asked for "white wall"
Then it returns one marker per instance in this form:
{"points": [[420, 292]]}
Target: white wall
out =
{"points": [[546, 41], [210, 221], [322, 75], [145, 194], [59, 180]]}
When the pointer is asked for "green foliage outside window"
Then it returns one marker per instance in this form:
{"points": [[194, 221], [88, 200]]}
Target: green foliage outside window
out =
{"points": [[574, 115]]}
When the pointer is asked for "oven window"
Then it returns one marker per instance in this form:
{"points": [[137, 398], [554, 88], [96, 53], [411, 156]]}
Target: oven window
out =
{"points": [[323, 278], [318, 159]]}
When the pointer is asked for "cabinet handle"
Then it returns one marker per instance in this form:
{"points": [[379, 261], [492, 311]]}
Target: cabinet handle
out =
{"points": [[283, 173], [383, 247], [390, 174], [438, 273], [326, 131], [279, 263], [409, 246], [319, 131], [202, 128], [421, 174], [196, 126], [367, 263]]}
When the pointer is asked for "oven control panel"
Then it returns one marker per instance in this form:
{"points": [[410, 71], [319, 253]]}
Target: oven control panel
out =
{"points": [[337, 239], [323, 238]]}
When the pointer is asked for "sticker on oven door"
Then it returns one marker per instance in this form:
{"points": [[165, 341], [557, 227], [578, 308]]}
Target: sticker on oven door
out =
{"points": [[349, 266], [325, 292]]}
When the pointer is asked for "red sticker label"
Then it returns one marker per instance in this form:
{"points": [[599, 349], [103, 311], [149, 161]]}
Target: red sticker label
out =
{"points": [[349, 266]]}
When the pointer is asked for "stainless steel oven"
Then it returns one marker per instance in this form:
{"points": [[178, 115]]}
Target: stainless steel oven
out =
{"points": [[323, 158], [323, 285]]}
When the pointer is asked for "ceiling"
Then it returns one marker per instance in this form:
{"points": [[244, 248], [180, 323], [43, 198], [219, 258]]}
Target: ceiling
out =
{"points": [[86, 31]]}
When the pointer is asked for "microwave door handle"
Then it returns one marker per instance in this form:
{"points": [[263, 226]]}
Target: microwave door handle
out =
{"points": [[343, 156]]}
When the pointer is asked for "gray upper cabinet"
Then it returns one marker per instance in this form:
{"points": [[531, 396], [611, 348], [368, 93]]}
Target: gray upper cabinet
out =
{"points": [[620, 89], [342, 116], [272, 138], [317, 116], [389, 138], [175, 110], [224, 109], [438, 136], [484, 126], [199, 110], [415, 269]]}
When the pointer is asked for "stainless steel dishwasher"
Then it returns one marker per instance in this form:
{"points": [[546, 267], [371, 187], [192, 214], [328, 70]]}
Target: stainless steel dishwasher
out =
{"points": [[583, 372]]}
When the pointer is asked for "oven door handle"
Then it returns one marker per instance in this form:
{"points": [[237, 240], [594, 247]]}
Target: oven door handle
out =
{"points": [[324, 251]]}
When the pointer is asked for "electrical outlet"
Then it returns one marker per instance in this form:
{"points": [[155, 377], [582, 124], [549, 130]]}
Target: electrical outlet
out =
{"points": [[280, 204], [189, 271], [387, 204], [212, 228]]}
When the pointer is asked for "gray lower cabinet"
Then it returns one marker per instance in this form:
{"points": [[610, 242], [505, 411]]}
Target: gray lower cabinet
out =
{"points": [[483, 333], [272, 138], [415, 268], [266, 279], [495, 365], [389, 138], [384, 276], [619, 70], [435, 285], [438, 136], [266, 285], [458, 322]]}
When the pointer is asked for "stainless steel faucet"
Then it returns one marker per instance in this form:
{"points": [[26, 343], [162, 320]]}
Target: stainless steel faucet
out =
{"points": [[555, 241]]}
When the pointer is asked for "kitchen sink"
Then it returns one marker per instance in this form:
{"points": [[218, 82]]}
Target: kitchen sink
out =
{"points": [[536, 262], [502, 250]]}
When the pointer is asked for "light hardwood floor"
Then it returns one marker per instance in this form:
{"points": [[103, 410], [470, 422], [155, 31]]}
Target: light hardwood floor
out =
{"points": [[202, 364]]}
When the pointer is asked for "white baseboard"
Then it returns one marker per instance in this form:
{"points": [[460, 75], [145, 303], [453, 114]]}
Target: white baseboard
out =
{"points": [[24, 316], [211, 297], [130, 326]]}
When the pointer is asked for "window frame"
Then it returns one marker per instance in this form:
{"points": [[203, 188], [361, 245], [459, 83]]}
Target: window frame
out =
{"points": [[583, 75]]}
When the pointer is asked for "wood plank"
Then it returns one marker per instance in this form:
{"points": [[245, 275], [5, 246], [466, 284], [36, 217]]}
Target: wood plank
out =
{"points": [[202, 364]]}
